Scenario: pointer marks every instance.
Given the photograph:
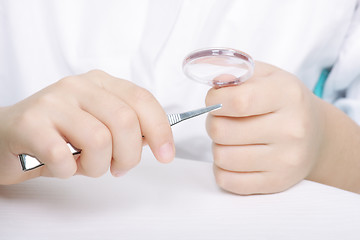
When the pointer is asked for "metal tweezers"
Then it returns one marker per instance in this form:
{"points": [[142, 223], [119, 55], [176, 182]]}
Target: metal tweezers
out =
{"points": [[28, 162]]}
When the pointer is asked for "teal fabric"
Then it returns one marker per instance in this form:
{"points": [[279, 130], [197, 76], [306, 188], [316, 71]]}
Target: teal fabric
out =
{"points": [[319, 87]]}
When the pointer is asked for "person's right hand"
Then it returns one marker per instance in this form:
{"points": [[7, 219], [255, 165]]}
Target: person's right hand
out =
{"points": [[103, 116]]}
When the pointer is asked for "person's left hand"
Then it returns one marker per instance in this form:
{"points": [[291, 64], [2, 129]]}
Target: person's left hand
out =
{"points": [[268, 134]]}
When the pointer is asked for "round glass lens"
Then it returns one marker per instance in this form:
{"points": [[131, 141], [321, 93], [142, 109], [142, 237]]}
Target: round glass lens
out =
{"points": [[218, 67]]}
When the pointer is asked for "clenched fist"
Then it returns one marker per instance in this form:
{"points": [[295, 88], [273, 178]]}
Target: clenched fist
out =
{"points": [[103, 116], [272, 132]]}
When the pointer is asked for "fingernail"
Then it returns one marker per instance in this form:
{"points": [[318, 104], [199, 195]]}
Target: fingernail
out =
{"points": [[166, 153], [119, 173]]}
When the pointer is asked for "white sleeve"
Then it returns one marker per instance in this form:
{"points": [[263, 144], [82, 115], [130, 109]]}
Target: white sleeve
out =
{"points": [[342, 87]]}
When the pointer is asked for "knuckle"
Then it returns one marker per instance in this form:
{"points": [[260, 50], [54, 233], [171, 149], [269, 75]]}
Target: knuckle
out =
{"points": [[92, 169], [295, 89], [162, 129], [128, 164], [294, 159], [220, 177], [125, 116], [100, 138], [96, 72], [218, 155], [231, 185], [68, 82], [158, 134], [242, 102], [297, 130], [229, 182], [47, 100], [97, 75], [143, 95], [296, 94], [215, 129], [126, 160], [56, 153]]}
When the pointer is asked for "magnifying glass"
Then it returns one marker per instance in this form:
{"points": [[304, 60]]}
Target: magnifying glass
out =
{"points": [[218, 67]]}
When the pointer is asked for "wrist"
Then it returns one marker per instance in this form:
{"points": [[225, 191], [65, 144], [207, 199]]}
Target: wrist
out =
{"points": [[338, 162]]}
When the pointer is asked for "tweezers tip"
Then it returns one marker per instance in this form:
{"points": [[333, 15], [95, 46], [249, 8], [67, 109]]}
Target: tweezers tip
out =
{"points": [[217, 106]]}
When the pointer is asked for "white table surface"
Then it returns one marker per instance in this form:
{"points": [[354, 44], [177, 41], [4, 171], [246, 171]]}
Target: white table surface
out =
{"points": [[174, 201]]}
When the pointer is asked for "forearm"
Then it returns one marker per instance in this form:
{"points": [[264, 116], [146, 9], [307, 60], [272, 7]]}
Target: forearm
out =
{"points": [[339, 160]]}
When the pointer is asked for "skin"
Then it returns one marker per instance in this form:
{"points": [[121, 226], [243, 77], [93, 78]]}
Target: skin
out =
{"points": [[272, 132], [103, 116]]}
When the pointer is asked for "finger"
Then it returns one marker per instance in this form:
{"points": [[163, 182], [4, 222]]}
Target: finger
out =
{"points": [[54, 153], [11, 171], [262, 94], [244, 130], [153, 120], [87, 133], [250, 182], [246, 158], [123, 124], [37, 137]]}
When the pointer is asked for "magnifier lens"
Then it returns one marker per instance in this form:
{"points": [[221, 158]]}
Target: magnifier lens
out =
{"points": [[218, 67]]}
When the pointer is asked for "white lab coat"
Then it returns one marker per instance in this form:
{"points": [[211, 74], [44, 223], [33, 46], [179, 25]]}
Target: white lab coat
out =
{"points": [[42, 41]]}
